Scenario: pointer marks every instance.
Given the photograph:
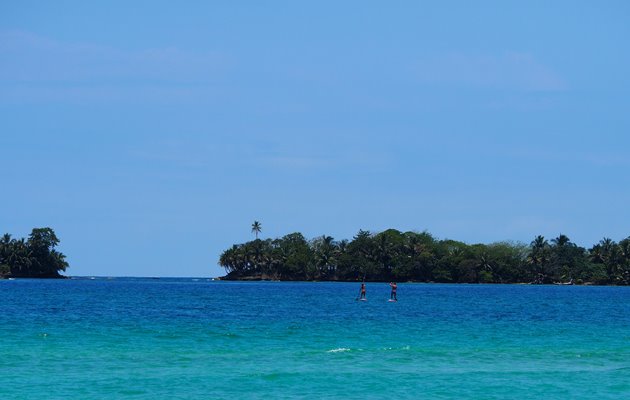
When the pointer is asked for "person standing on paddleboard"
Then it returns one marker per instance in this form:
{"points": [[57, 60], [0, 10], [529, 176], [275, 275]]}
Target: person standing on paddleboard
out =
{"points": [[392, 296], [362, 296]]}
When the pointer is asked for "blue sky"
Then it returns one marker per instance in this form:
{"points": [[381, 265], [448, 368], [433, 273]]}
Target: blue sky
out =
{"points": [[150, 136]]}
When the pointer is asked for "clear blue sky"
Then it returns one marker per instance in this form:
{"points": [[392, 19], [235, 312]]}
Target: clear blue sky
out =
{"points": [[150, 136]]}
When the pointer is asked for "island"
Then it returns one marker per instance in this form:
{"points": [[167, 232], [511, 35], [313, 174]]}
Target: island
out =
{"points": [[393, 255], [34, 257]]}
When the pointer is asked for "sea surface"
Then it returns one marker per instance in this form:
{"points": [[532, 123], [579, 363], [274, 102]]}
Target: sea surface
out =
{"points": [[188, 338]]}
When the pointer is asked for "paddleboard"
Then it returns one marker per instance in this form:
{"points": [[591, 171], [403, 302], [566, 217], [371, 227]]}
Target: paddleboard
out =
{"points": [[362, 299], [392, 301]]}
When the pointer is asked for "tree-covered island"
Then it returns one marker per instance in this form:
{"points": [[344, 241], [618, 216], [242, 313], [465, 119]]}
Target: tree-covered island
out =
{"points": [[34, 257], [420, 257]]}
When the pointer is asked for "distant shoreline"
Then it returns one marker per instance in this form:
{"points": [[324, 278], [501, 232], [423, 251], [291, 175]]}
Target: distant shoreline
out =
{"points": [[272, 279], [9, 276]]}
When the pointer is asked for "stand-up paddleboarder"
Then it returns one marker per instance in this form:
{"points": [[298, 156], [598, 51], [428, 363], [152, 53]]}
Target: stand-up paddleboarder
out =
{"points": [[362, 293], [392, 296]]}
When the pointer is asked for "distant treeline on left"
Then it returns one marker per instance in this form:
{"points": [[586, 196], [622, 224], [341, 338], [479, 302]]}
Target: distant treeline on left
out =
{"points": [[34, 257]]}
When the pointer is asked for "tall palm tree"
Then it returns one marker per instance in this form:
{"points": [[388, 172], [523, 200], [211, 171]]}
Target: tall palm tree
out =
{"points": [[561, 240], [325, 252], [608, 253], [538, 259], [6, 239], [256, 228]]}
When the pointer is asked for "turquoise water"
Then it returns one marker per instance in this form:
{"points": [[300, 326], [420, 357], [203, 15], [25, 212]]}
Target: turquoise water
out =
{"points": [[197, 339]]}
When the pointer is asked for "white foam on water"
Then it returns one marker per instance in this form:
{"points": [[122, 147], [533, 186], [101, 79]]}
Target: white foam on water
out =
{"points": [[395, 348], [339, 350]]}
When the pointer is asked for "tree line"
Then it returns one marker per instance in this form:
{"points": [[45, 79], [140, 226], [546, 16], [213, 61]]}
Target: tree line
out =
{"points": [[34, 257], [413, 256]]}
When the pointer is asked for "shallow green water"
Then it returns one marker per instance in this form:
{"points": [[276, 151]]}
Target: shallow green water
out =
{"points": [[195, 339]]}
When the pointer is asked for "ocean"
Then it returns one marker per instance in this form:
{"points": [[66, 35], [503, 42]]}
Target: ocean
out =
{"points": [[186, 338]]}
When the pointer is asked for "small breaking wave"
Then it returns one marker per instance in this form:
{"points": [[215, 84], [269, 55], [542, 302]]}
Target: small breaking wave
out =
{"points": [[338, 350]]}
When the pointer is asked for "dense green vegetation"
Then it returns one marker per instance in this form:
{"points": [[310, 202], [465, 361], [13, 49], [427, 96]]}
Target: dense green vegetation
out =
{"points": [[34, 257], [412, 256]]}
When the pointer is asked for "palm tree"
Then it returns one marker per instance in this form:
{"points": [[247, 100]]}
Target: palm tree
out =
{"points": [[256, 228], [6, 239], [624, 261], [325, 251], [20, 258], [561, 241], [538, 258], [608, 253]]}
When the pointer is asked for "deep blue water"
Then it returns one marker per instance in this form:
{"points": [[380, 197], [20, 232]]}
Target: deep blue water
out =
{"points": [[201, 339]]}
